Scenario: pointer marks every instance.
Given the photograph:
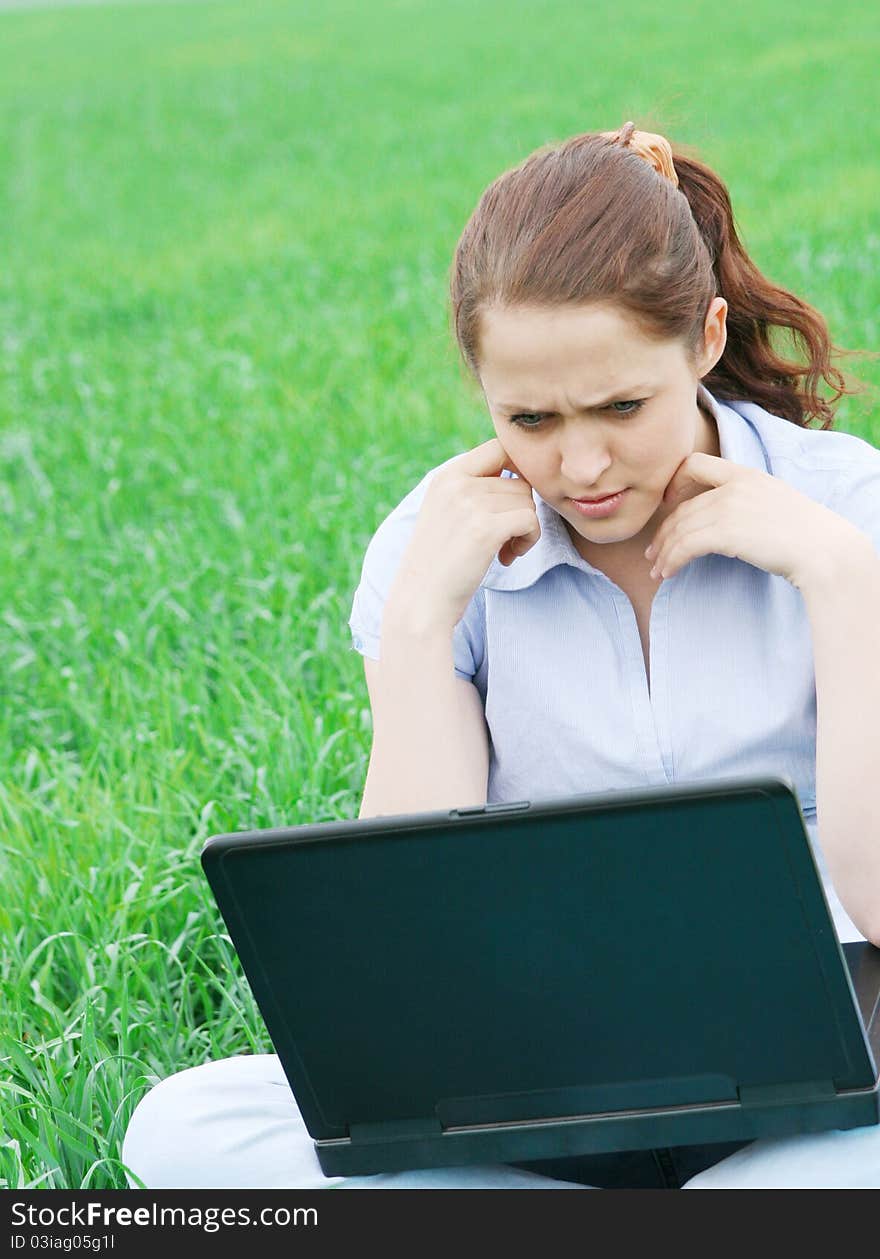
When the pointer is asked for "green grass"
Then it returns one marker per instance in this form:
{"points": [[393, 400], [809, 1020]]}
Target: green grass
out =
{"points": [[224, 356]]}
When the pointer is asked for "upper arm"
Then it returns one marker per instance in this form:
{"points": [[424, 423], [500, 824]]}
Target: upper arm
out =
{"points": [[474, 732], [379, 569]]}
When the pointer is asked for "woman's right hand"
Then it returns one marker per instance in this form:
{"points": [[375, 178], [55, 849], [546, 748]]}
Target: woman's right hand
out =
{"points": [[469, 514]]}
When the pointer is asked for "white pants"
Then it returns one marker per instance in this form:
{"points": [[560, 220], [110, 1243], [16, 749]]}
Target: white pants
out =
{"points": [[233, 1124]]}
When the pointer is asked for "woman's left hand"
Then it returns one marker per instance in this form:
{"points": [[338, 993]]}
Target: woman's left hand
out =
{"points": [[727, 509]]}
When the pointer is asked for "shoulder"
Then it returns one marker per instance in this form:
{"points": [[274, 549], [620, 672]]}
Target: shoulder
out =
{"points": [[394, 530], [837, 469], [813, 449]]}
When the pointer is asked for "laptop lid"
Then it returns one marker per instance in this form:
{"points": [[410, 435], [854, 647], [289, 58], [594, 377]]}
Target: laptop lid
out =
{"points": [[526, 966]]}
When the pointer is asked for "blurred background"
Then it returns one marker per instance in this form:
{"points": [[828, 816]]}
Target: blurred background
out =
{"points": [[225, 237]]}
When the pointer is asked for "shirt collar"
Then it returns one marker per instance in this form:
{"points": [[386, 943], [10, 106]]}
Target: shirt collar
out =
{"points": [[739, 443]]}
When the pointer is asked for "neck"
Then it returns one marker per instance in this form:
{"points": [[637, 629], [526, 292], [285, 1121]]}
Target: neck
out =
{"points": [[708, 440]]}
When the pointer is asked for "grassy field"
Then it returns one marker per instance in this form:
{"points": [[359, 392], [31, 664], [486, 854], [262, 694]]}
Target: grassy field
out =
{"points": [[224, 356]]}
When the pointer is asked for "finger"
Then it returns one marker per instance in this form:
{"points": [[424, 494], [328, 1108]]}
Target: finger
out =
{"points": [[513, 549], [524, 531], [510, 466], [686, 547], [681, 487], [489, 459], [508, 487], [517, 478], [686, 514], [697, 471], [525, 527]]}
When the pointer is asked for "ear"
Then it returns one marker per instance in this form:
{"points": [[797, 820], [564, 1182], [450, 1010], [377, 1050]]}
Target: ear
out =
{"points": [[714, 335]]}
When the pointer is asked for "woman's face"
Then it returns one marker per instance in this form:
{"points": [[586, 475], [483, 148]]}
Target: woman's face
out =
{"points": [[586, 405]]}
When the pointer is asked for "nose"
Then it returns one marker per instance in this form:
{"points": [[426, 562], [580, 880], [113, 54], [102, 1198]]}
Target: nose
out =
{"points": [[584, 457]]}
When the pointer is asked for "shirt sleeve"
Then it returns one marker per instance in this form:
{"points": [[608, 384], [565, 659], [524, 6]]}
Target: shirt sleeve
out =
{"points": [[381, 562], [856, 495]]}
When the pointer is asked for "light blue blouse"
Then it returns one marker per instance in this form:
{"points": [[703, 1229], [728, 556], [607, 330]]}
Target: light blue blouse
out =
{"points": [[552, 645]]}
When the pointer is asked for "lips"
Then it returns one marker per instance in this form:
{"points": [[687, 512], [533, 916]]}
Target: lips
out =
{"points": [[600, 499]]}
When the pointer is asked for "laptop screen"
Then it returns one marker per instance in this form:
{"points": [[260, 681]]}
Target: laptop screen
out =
{"points": [[654, 950]]}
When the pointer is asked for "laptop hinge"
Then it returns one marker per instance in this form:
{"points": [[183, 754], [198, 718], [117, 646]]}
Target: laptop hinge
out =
{"points": [[779, 1094], [396, 1129]]}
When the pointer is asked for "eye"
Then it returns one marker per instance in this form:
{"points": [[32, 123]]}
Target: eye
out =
{"points": [[523, 420], [635, 404]]}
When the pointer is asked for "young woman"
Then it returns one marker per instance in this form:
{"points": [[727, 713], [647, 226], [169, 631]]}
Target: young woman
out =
{"points": [[654, 572]]}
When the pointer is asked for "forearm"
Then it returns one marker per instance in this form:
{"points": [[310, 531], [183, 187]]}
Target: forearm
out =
{"points": [[430, 746], [843, 605]]}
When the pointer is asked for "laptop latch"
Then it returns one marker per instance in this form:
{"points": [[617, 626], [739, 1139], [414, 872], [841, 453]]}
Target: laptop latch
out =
{"points": [[780, 1094], [395, 1130]]}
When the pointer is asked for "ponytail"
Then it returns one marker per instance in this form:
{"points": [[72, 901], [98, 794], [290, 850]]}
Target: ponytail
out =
{"points": [[750, 367]]}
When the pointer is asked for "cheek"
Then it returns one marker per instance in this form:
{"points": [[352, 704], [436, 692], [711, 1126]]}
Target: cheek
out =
{"points": [[512, 441], [659, 454], [648, 458], [526, 453]]}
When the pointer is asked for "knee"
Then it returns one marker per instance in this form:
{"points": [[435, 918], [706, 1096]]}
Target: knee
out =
{"points": [[228, 1124], [835, 1159], [161, 1138]]}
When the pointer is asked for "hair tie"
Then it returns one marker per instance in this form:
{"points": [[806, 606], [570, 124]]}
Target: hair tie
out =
{"points": [[654, 149]]}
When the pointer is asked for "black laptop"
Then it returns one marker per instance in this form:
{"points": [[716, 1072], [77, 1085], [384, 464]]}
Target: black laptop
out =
{"points": [[534, 980]]}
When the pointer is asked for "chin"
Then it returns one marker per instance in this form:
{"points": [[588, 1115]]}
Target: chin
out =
{"points": [[603, 537], [608, 538]]}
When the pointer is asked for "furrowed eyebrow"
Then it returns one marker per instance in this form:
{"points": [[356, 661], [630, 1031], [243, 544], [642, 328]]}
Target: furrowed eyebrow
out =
{"points": [[637, 391]]}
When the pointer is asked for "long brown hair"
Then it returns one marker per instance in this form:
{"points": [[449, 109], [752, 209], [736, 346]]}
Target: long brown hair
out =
{"points": [[589, 220]]}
